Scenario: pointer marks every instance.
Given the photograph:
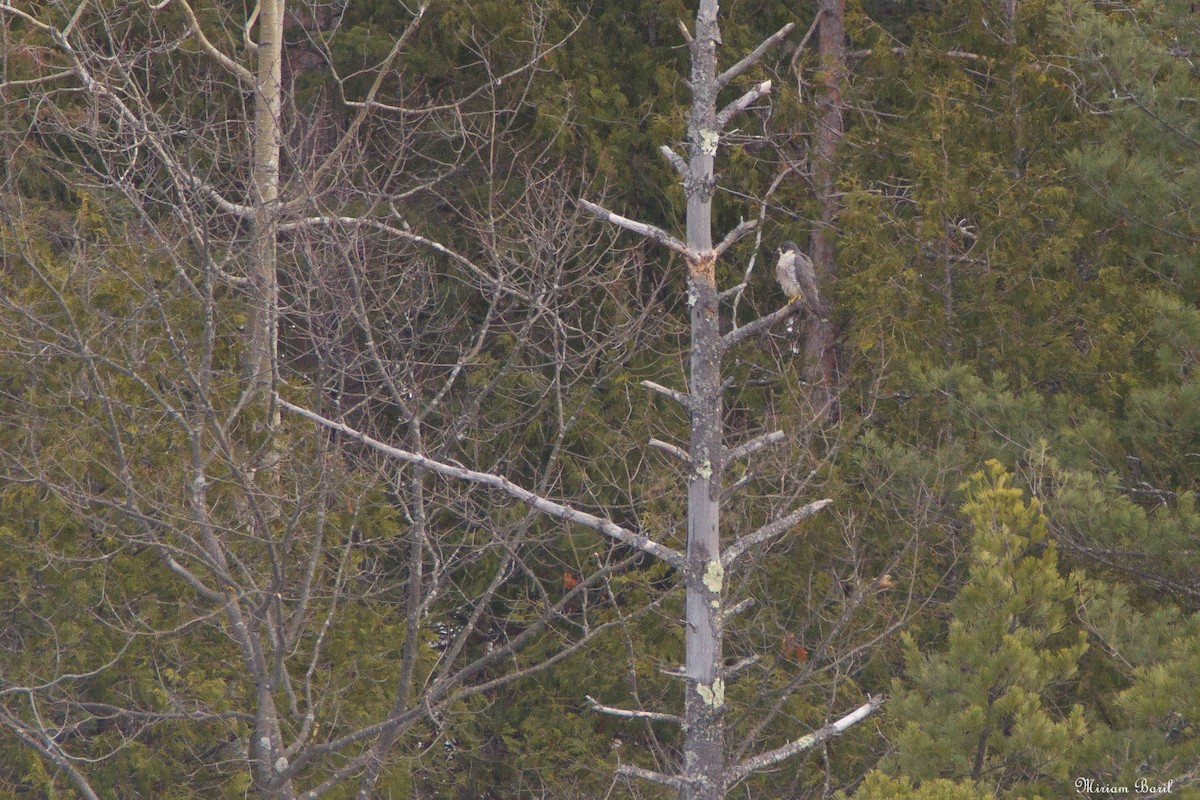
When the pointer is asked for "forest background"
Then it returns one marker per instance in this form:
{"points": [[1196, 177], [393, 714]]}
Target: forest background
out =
{"points": [[207, 595]]}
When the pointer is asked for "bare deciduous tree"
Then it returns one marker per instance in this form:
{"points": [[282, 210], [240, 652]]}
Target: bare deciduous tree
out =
{"points": [[414, 272], [704, 773], [421, 290]]}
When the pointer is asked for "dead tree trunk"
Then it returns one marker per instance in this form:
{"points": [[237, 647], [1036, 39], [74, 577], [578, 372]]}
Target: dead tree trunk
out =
{"points": [[705, 773], [704, 716], [820, 363]]}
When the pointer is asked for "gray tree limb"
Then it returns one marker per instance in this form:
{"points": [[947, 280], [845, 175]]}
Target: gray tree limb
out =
{"points": [[772, 757], [533, 500], [755, 55], [769, 531], [651, 232]]}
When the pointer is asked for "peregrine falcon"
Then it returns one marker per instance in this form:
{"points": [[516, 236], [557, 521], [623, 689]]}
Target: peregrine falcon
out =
{"points": [[794, 271]]}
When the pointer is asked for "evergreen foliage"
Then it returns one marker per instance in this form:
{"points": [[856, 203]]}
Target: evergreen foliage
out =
{"points": [[987, 706], [1018, 253]]}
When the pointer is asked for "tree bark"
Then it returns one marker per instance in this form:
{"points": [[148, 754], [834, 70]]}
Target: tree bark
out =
{"points": [[261, 350], [704, 718], [821, 356]]}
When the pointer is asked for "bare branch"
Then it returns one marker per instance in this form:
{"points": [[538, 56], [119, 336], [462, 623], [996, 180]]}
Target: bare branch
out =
{"points": [[738, 335], [808, 35], [101, 91], [741, 104], [677, 161], [545, 505], [730, 490], [482, 274], [670, 394], [734, 235], [740, 665], [649, 231], [29, 18], [753, 446], [769, 531], [49, 749], [56, 76], [530, 64], [738, 608], [240, 72], [351, 132], [68, 676], [247, 41], [631, 714], [736, 291], [900, 51], [75, 17], [754, 56], [732, 290], [772, 757], [437, 696], [671, 450], [683, 28], [630, 771]]}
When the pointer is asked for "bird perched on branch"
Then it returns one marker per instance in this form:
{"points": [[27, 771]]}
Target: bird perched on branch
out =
{"points": [[794, 271]]}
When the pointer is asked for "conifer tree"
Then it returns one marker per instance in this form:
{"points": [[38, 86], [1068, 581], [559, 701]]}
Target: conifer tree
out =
{"points": [[986, 706], [1148, 741]]}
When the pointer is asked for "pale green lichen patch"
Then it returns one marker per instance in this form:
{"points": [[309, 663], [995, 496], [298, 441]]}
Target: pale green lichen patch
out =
{"points": [[704, 470], [714, 576], [713, 696], [709, 141]]}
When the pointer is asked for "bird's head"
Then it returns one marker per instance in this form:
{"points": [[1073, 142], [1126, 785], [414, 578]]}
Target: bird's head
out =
{"points": [[788, 247]]}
